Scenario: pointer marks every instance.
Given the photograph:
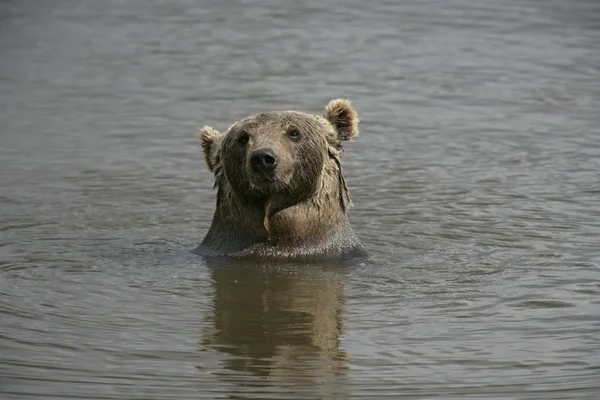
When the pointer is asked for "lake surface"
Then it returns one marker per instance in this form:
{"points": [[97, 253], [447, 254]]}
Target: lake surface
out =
{"points": [[476, 185]]}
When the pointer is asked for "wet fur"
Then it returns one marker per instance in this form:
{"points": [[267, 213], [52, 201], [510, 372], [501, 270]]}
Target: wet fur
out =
{"points": [[302, 212]]}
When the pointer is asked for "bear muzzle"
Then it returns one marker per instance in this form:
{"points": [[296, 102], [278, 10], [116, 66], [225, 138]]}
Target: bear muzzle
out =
{"points": [[264, 162]]}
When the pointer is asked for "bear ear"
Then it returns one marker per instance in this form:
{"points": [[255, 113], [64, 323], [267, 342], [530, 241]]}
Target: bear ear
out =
{"points": [[210, 139], [344, 118]]}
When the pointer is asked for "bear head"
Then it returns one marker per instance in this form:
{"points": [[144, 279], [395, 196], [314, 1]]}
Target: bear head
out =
{"points": [[276, 160]]}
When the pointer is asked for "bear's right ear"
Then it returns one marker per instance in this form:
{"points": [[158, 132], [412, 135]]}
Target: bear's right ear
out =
{"points": [[211, 145], [344, 118]]}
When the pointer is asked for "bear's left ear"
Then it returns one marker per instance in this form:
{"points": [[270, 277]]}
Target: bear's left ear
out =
{"points": [[344, 118], [211, 139]]}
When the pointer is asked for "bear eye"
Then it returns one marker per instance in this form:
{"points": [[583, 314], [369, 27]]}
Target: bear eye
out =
{"points": [[243, 139], [294, 134]]}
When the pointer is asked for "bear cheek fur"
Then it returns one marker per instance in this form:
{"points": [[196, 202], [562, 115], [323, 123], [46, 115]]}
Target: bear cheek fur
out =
{"points": [[234, 158], [309, 156]]}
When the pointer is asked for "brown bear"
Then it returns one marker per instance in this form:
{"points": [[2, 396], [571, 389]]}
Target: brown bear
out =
{"points": [[281, 193]]}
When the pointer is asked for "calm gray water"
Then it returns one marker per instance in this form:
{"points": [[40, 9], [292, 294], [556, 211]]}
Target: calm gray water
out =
{"points": [[476, 184]]}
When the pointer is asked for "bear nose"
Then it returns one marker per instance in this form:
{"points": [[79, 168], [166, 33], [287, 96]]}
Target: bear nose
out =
{"points": [[263, 160]]}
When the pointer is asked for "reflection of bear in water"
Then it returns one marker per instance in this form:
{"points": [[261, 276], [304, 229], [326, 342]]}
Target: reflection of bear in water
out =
{"points": [[282, 324], [281, 192]]}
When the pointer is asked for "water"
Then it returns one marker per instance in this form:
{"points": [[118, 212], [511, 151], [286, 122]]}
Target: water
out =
{"points": [[475, 182]]}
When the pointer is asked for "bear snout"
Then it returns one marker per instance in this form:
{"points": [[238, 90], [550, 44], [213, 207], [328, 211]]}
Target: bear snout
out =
{"points": [[263, 161]]}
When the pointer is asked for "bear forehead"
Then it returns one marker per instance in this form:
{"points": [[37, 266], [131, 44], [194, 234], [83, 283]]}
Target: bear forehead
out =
{"points": [[282, 119]]}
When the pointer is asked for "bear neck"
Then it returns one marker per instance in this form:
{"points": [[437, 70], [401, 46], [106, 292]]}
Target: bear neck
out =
{"points": [[315, 226]]}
